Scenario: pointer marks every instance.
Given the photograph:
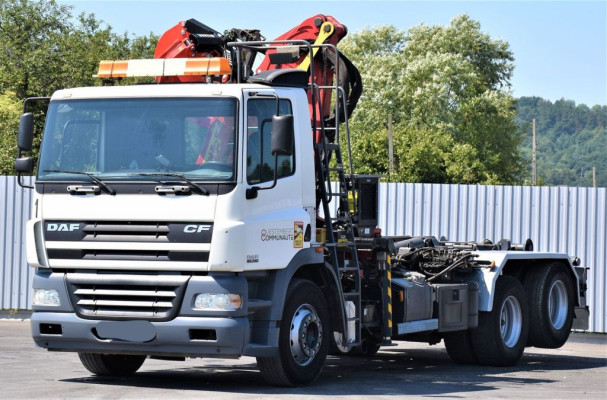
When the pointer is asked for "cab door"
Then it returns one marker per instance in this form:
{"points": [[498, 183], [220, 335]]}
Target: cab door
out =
{"points": [[275, 218]]}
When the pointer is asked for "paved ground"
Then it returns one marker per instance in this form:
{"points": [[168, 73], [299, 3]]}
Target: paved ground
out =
{"points": [[577, 370]]}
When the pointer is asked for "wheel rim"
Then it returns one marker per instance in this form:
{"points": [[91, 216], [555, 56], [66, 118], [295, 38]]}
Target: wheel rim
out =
{"points": [[557, 304], [511, 321], [305, 335]]}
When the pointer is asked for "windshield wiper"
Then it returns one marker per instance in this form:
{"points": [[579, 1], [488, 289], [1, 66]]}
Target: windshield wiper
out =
{"points": [[187, 180], [94, 178]]}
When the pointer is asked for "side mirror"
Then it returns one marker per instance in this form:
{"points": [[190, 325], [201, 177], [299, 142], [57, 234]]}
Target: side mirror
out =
{"points": [[281, 144], [24, 165], [283, 133], [26, 132]]}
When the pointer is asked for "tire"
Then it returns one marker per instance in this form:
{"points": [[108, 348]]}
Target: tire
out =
{"points": [[303, 340], [459, 347], [111, 364], [501, 335], [550, 295], [369, 347]]}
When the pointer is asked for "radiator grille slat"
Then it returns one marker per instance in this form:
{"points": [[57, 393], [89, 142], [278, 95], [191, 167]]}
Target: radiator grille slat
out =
{"points": [[120, 293], [119, 232], [126, 304], [114, 237]]}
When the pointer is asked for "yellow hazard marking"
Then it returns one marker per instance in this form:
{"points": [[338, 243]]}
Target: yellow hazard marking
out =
{"points": [[322, 36]]}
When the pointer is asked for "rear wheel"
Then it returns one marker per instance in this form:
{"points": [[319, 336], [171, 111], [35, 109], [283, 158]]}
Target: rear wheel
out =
{"points": [[459, 347], [111, 364], [502, 333], [303, 340], [550, 294]]}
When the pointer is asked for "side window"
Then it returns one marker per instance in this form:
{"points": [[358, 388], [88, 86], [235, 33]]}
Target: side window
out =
{"points": [[260, 161]]}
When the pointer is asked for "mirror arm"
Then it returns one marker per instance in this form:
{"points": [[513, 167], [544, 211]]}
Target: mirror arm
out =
{"points": [[32, 99], [20, 182]]}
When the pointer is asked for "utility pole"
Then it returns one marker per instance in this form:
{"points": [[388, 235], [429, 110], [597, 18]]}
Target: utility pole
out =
{"points": [[390, 144], [593, 176], [534, 158]]}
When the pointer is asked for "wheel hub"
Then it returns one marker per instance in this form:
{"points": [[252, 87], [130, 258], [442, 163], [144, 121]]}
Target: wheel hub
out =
{"points": [[511, 321], [557, 304], [305, 335]]}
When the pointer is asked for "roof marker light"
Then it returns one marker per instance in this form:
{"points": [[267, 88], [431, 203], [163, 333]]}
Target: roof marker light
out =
{"points": [[164, 67]]}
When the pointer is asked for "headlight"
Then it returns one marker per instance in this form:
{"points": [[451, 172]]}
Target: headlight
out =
{"points": [[217, 302], [46, 297]]}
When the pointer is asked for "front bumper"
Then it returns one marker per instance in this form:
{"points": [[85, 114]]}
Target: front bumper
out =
{"points": [[180, 337]]}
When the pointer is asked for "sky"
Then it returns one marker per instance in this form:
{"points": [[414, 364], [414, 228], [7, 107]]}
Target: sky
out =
{"points": [[560, 47]]}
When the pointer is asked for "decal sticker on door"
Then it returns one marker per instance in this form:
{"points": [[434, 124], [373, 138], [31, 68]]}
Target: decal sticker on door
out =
{"points": [[298, 234]]}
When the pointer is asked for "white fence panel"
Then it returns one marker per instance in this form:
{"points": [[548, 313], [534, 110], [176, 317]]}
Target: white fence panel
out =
{"points": [[16, 276]]}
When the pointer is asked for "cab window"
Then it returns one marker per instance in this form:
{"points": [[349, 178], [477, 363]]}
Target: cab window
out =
{"points": [[260, 161]]}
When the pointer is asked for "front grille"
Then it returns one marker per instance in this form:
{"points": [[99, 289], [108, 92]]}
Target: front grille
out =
{"points": [[126, 245], [113, 296], [126, 232]]}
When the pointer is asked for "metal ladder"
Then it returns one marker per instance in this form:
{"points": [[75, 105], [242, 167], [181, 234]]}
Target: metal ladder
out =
{"points": [[340, 240]]}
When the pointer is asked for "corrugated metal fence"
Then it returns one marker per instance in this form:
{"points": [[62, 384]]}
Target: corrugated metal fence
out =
{"points": [[557, 219], [15, 209]]}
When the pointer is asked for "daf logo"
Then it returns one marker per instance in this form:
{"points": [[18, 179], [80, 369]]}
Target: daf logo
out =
{"points": [[52, 227], [196, 228]]}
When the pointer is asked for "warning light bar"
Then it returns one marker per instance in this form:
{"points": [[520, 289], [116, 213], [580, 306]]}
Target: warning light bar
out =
{"points": [[164, 67]]}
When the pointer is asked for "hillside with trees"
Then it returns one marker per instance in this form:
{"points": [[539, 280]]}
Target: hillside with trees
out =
{"points": [[571, 140]]}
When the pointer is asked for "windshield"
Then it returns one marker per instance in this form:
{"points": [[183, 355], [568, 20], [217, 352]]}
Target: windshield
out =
{"points": [[126, 139]]}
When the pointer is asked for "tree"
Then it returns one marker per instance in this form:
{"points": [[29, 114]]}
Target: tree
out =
{"points": [[10, 109], [447, 88], [43, 50], [30, 34]]}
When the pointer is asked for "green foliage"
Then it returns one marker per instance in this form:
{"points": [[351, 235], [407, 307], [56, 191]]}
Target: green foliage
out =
{"points": [[447, 90], [10, 109], [43, 48], [571, 140]]}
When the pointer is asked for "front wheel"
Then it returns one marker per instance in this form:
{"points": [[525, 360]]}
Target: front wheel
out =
{"points": [[501, 335], [303, 340], [111, 364]]}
